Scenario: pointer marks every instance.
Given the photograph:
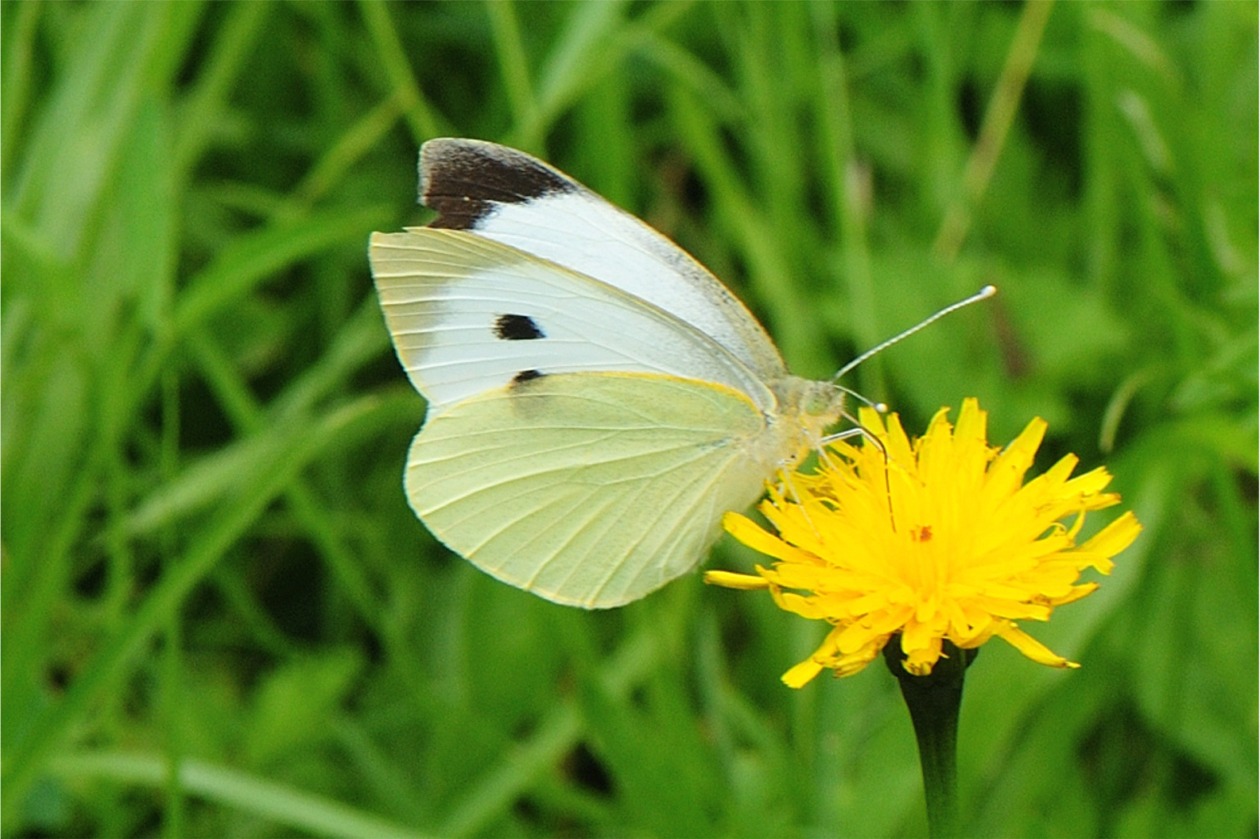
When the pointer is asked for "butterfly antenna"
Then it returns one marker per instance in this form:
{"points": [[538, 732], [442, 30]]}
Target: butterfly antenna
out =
{"points": [[879, 407], [859, 430], [983, 294]]}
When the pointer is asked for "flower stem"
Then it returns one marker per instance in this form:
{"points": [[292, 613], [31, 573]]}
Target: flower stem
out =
{"points": [[934, 701]]}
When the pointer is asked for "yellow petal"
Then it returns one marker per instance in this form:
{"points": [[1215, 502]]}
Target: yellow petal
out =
{"points": [[802, 674], [1032, 648], [729, 579], [747, 531], [1115, 537]]}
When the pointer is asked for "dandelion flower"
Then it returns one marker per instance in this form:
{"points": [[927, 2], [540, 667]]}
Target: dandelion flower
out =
{"points": [[931, 541]]}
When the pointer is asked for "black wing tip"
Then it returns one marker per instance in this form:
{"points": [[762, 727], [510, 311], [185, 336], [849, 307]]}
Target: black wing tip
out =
{"points": [[465, 179]]}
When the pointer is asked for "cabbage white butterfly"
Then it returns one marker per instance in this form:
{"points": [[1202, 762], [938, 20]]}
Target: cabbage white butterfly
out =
{"points": [[597, 399]]}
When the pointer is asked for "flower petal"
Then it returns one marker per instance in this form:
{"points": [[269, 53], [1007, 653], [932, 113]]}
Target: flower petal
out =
{"points": [[746, 531], [729, 579], [1032, 648]]}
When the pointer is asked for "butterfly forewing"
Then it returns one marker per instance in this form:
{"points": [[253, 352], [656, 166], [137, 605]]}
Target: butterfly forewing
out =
{"points": [[469, 314], [510, 197]]}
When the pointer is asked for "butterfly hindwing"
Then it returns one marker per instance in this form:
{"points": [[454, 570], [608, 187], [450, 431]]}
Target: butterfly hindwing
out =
{"points": [[588, 489]]}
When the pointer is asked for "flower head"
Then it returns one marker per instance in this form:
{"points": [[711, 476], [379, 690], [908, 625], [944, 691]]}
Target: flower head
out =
{"points": [[931, 540]]}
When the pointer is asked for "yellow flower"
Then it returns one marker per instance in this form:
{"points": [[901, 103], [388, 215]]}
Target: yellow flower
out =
{"points": [[939, 539]]}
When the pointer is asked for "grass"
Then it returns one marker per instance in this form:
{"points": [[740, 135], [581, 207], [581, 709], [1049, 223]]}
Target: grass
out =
{"points": [[219, 615]]}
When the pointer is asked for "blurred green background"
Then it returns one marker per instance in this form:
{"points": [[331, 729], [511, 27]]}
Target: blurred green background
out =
{"points": [[220, 616]]}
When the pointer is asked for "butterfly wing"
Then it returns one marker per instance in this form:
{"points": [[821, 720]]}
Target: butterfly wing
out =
{"points": [[510, 197], [589, 489], [470, 315]]}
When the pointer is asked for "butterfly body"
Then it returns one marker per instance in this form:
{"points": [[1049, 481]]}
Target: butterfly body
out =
{"points": [[597, 399]]}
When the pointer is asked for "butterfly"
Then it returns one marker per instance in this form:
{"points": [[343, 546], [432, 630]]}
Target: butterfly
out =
{"points": [[597, 400]]}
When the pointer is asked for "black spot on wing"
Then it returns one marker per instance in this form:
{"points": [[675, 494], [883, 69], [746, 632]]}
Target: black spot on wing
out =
{"points": [[463, 180], [527, 402], [517, 328]]}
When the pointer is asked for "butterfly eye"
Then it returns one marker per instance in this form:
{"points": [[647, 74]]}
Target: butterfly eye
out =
{"points": [[517, 328], [822, 399]]}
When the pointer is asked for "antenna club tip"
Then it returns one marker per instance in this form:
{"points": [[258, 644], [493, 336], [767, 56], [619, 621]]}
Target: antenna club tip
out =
{"points": [[987, 291], [880, 407]]}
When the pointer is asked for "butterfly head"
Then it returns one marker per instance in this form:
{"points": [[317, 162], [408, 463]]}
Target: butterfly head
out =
{"points": [[809, 408], [823, 400]]}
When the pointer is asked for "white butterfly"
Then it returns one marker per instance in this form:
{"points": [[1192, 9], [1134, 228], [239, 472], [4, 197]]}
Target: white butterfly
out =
{"points": [[597, 399]]}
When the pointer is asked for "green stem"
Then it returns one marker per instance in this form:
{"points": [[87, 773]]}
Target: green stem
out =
{"points": [[934, 701]]}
